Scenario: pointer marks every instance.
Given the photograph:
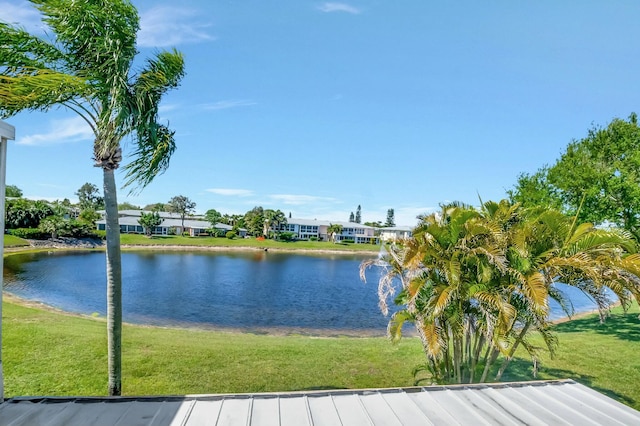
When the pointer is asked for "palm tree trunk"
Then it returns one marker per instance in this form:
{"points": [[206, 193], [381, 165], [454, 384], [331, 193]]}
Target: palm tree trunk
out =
{"points": [[114, 285], [494, 355], [479, 343], [507, 360]]}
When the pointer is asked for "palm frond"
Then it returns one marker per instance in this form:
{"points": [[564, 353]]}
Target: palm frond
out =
{"points": [[38, 91]]}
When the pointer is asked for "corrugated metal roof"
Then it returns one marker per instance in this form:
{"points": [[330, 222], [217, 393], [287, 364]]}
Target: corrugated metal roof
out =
{"points": [[562, 402]]}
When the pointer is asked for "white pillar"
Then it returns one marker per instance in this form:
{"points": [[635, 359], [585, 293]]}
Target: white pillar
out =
{"points": [[7, 133]]}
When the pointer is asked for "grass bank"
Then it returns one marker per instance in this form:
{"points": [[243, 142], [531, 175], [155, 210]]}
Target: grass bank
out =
{"points": [[13, 241], [133, 241], [49, 353], [180, 241]]}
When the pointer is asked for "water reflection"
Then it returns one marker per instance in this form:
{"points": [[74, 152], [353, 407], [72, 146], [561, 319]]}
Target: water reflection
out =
{"points": [[254, 290], [250, 290]]}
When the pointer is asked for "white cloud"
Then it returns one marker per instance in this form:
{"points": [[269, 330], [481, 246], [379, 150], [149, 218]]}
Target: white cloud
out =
{"points": [[67, 130], [22, 14], [231, 192], [339, 7], [229, 104], [292, 199], [164, 26], [167, 107]]}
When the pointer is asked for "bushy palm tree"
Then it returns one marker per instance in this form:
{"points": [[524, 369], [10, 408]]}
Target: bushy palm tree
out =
{"points": [[333, 230], [87, 67], [476, 282]]}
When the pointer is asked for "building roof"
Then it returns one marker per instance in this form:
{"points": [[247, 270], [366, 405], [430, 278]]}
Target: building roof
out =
{"points": [[188, 223], [397, 228], [315, 222], [534, 403]]}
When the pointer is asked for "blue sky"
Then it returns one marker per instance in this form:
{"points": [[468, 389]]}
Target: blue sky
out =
{"points": [[317, 107]]}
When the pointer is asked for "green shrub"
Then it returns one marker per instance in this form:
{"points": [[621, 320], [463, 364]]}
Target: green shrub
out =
{"points": [[28, 233], [348, 241], [287, 236], [77, 229], [313, 238], [231, 235], [99, 233]]}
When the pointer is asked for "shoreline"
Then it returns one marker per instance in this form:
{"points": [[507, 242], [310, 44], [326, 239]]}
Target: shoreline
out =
{"points": [[318, 333], [92, 244], [271, 331], [242, 248]]}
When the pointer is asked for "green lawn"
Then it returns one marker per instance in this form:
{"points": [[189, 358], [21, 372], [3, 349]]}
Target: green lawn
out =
{"points": [[47, 353], [174, 240], [13, 241]]}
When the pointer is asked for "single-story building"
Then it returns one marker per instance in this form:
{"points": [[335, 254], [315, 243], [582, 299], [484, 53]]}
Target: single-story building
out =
{"points": [[305, 229], [395, 233], [171, 224]]}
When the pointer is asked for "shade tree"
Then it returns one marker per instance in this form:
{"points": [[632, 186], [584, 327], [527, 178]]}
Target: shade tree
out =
{"points": [[213, 216], [148, 221], [183, 206], [596, 177], [89, 197]]}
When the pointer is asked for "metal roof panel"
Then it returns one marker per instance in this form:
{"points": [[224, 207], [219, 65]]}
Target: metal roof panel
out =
{"points": [[545, 402]]}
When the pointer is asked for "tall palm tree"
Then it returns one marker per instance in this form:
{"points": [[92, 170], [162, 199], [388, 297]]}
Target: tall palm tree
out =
{"points": [[87, 67]]}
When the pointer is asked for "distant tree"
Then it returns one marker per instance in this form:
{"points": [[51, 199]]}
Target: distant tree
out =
{"points": [[23, 213], [358, 218], [237, 221], [148, 221], [352, 217], [390, 218], [333, 230], [535, 190], [254, 221], [128, 206], [89, 216], [376, 224], [213, 216], [53, 225], [156, 207], [602, 172], [272, 220], [182, 206], [597, 177], [289, 215], [13, 191], [89, 197]]}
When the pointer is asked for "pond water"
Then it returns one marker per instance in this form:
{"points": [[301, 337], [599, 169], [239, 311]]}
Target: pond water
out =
{"points": [[249, 290]]}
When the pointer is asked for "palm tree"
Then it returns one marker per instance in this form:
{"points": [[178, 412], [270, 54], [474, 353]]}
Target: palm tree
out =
{"points": [[272, 220], [333, 230], [87, 68], [476, 283]]}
